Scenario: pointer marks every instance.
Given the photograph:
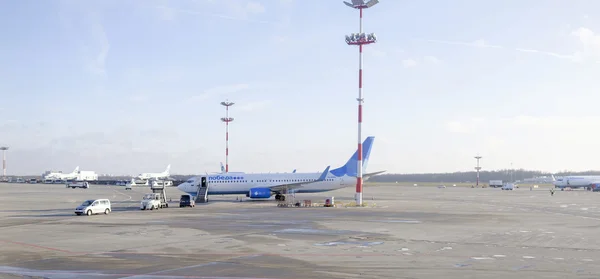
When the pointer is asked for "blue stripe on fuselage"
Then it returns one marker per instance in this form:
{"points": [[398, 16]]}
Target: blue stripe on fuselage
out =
{"points": [[210, 193]]}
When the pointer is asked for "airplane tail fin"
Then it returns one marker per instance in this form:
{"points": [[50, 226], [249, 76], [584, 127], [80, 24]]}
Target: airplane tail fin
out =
{"points": [[350, 168], [76, 170], [168, 169], [222, 168]]}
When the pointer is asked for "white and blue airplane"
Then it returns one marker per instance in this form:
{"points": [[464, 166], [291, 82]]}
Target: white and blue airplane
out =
{"points": [[265, 185], [590, 182]]}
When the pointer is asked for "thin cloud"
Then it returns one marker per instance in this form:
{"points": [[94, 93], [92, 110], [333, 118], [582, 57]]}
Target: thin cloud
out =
{"points": [[408, 63], [432, 59], [484, 44], [553, 54], [477, 43], [93, 43], [139, 98], [466, 126], [220, 90], [254, 106], [457, 127], [98, 63], [255, 7], [170, 10], [590, 45], [554, 122]]}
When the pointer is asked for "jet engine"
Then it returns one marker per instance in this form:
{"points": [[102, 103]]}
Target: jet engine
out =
{"points": [[259, 193]]}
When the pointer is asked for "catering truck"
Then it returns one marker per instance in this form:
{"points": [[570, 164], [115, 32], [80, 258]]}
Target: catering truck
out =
{"points": [[496, 183]]}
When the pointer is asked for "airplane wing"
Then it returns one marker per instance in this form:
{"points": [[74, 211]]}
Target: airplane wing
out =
{"points": [[368, 175], [291, 186]]}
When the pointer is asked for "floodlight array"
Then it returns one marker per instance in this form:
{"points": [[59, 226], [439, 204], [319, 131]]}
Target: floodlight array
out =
{"points": [[361, 38]]}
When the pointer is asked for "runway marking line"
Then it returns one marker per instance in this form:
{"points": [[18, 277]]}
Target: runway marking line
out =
{"points": [[119, 192]]}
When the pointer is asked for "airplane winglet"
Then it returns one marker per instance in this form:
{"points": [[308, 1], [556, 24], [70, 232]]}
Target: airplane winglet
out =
{"points": [[324, 174]]}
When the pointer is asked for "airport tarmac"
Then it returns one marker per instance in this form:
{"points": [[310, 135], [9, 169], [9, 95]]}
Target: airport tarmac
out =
{"points": [[407, 232]]}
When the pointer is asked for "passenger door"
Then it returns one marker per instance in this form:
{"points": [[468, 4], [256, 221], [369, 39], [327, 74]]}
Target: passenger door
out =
{"points": [[95, 207]]}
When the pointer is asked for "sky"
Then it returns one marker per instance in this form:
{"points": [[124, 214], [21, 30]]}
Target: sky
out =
{"points": [[127, 86]]}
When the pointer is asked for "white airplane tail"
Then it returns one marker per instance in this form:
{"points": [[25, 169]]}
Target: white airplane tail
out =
{"points": [[76, 170], [168, 169], [222, 168]]}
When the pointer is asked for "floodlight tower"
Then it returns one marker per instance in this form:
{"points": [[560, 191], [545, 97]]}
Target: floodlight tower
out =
{"points": [[4, 148], [360, 39], [227, 119], [477, 168]]}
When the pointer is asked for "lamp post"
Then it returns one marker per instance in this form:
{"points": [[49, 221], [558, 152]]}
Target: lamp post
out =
{"points": [[477, 168], [360, 39]]}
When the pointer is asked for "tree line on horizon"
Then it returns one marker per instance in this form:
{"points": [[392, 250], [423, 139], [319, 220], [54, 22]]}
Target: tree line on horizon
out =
{"points": [[471, 176]]}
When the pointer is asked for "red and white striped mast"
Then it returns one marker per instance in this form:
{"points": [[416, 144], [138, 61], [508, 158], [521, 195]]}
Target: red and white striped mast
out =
{"points": [[360, 39], [227, 119]]}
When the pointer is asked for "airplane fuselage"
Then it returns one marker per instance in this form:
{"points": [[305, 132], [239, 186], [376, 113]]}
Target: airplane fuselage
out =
{"points": [[264, 185], [576, 181], [62, 176], [241, 183], [152, 175], [156, 175]]}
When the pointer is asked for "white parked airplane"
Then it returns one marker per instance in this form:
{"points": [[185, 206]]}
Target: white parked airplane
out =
{"points": [[576, 181], [265, 185], [158, 175], [63, 176]]}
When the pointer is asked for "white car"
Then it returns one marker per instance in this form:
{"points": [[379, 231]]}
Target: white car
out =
{"points": [[508, 186], [90, 207]]}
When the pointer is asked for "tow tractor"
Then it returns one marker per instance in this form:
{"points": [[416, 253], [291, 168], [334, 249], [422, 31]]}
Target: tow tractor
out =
{"points": [[155, 200]]}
